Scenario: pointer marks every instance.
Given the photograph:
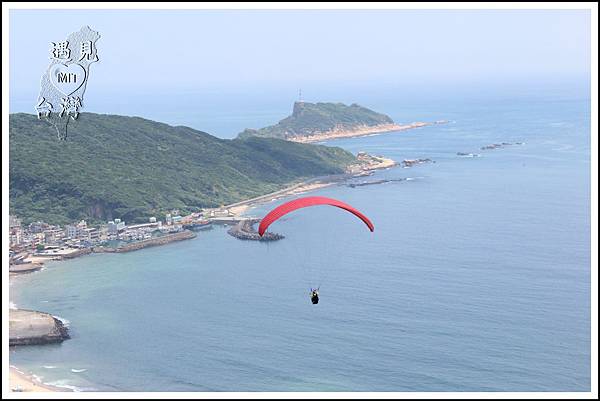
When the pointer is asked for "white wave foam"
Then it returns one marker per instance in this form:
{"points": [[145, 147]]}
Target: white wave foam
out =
{"points": [[49, 367], [64, 321], [12, 305], [36, 378], [17, 369], [65, 384], [78, 370]]}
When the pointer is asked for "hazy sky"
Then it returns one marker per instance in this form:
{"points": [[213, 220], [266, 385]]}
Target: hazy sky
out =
{"points": [[196, 49]]}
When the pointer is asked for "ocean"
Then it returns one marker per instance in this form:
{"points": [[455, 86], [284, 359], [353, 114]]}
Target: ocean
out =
{"points": [[476, 278]]}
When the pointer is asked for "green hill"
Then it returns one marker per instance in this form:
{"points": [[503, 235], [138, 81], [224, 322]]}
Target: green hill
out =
{"points": [[308, 118], [131, 168]]}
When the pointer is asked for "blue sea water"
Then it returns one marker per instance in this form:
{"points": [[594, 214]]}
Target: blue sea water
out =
{"points": [[477, 277]]}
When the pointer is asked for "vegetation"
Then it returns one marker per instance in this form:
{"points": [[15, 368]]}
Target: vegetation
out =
{"points": [[132, 168], [309, 118]]}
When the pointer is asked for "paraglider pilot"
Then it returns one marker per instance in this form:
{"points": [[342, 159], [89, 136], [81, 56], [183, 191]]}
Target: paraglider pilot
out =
{"points": [[314, 296]]}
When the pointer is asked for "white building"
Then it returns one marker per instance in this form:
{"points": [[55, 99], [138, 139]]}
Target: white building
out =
{"points": [[114, 227], [71, 231]]}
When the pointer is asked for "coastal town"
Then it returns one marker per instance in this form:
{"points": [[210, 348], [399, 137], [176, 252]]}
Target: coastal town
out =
{"points": [[34, 243], [37, 242]]}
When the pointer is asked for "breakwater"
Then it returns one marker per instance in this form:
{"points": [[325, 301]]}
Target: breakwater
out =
{"points": [[373, 182], [28, 327], [80, 252], [245, 230], [134, 246]]}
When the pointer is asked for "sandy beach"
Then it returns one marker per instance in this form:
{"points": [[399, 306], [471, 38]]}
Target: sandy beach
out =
{"points": [[365, 166], [22, 382], [240, 208]]}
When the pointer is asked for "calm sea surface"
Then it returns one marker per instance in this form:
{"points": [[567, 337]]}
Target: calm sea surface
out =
{"points": [[477, 277]]}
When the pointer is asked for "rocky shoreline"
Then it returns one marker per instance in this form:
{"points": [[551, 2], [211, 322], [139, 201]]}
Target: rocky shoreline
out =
{"points": [[362, 130], [413, 162]]}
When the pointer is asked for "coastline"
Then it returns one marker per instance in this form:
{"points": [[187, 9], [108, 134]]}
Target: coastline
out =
{"points": [[363, 130], [365, 166], [20, 381]]}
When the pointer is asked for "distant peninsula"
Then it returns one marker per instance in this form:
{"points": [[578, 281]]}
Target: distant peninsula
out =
{"points": [[315, 122]]}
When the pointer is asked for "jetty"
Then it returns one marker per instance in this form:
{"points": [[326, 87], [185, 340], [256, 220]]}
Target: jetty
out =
{"points": [[27, 267], [28, 327], [244, 230], [373, 182]]}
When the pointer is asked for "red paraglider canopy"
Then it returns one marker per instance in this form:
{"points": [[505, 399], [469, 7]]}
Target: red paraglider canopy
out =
{"points": [[299, 203]]}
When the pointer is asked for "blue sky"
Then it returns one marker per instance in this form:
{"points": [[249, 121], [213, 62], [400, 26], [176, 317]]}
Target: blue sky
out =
{"points": [[144, 52]]}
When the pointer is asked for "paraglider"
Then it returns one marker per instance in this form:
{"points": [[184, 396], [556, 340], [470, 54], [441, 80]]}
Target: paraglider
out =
{"points": [[309, 201], [299, 203]]}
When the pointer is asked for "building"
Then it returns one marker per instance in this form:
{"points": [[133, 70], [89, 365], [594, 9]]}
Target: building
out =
{"points": [[71, 231], [90, 234], [221, 212], [116, 226], [53, 236], [15, 236], [14, 221], [77, 231], [144, 226], [38, 227]]}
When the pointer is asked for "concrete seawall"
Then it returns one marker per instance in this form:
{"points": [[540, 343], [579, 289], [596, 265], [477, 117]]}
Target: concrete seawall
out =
{"points": [[134, 246], [83, 251], [27, 327]]}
